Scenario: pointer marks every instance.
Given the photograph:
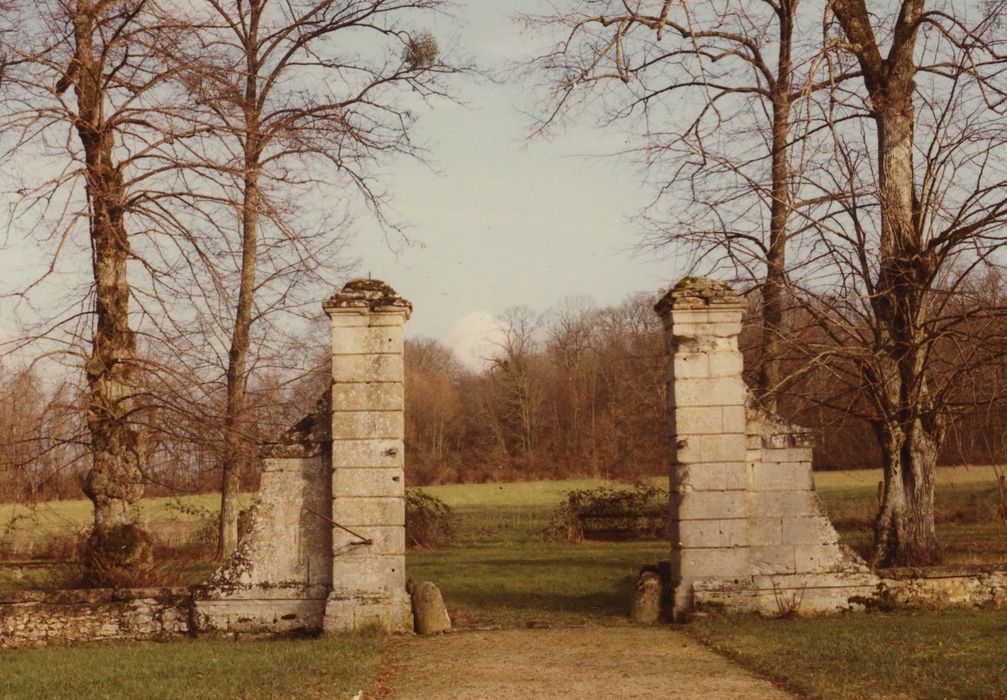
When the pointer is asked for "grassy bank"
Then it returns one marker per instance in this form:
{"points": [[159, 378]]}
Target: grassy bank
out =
{"points": [[313, 668], [502, 573], [952, 654]]}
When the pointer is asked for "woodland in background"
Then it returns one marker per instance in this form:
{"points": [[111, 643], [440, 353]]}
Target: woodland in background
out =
{"points": [[845, 161], [576, 392], [586, 396], [175, 149]]}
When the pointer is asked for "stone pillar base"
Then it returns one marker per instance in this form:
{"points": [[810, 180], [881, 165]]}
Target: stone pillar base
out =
{"points": [[387, 612]]}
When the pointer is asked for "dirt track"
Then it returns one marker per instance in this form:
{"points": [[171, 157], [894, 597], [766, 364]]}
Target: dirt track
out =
{"points": [[583, 663]]}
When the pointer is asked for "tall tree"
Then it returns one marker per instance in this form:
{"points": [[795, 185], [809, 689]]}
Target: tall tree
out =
{"points": [[513, 406], [433, 410], [713, 88], [83, 93], [296, 93], [919, 223]]}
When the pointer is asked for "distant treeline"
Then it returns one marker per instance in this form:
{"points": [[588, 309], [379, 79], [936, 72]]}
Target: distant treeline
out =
{"points": [[581, 391], [576, 391]]}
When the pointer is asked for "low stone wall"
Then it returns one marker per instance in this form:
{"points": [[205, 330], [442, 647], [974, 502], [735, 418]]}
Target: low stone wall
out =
{"points": [[38, 618], [277, 582], [940, 587], [258, 611]]}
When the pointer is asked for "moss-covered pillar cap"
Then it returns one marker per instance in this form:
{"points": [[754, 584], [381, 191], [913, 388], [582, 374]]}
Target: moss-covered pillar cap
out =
{"points": [[367, 295], [696, 293]]}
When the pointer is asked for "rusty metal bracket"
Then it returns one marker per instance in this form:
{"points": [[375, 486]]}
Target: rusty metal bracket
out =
{"points": [[361, 539]]}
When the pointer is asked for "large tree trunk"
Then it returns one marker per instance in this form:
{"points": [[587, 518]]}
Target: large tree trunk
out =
{"points": [[904, 530], [237, 447], [115, 482], [776, 262], [911, 429]]}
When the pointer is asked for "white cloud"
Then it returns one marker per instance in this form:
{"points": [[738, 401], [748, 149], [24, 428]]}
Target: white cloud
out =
{"points": [[475, 338]]}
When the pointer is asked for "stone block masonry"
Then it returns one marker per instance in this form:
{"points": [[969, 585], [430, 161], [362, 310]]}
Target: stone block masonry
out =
{"points": [[368, 460], [748, 531], [326, 547], [279, 579]]}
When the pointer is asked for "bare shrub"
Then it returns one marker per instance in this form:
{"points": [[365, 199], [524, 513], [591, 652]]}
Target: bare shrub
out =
{"points": [[605, 513], [430, 522]]}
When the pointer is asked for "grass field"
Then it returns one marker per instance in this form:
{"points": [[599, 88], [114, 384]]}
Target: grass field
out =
{"points": [[313, 668], [970, 525], [502, 573], [951, 654], [171, 518]]}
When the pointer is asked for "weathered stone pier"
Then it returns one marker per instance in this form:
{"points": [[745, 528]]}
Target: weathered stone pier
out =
{"points": [[748, 531]]}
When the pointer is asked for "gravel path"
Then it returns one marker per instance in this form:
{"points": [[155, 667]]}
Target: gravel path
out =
{"points": [[583, 663]]}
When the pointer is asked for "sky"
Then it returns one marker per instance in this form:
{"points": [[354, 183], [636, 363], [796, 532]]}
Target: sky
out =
{"points": [[507, 221], [496, 219]]}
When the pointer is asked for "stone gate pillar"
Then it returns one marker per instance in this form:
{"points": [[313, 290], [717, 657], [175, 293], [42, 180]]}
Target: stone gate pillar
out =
{"points": [[368, 481], [706, 396]]}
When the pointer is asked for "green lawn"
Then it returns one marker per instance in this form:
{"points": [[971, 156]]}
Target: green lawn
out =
{"points": [[502, 573], [970, 526], [951, 654], [514, 584], [314, 668]]}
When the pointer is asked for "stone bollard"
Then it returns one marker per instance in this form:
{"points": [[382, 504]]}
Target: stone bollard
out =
{"points": [[647, 600], [429, 614]]}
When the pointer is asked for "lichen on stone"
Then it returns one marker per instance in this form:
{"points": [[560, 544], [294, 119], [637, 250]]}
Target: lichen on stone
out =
{"points": [[697, 293], [367, 294], [236, 571]]}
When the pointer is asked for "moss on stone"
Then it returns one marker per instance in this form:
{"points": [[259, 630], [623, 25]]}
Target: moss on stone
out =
{"points": [[698, 292], [366, 294]]}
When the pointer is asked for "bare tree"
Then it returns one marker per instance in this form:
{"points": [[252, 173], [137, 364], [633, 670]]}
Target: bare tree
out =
{"points": [[713, 88], [433, 410], [572, 393], [513, 407], [40, 433], [920, 216], [295, 95], [84, 97]]}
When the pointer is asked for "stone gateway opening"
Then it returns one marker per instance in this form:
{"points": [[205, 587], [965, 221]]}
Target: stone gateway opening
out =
{"points": [[325, 547]]}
